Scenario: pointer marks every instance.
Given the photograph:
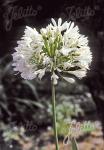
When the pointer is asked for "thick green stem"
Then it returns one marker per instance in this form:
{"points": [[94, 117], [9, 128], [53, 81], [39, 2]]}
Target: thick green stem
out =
{"points": [[54, 115]]}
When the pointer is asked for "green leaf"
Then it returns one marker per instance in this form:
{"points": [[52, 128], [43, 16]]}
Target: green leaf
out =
{"points": [[30, 103], [32, 87]]}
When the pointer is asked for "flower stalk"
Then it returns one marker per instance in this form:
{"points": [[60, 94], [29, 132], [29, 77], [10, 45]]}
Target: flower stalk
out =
{"points": [[54, 114]]}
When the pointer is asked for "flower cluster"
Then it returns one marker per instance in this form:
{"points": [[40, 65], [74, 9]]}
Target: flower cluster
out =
{"points": [[57, 48]]}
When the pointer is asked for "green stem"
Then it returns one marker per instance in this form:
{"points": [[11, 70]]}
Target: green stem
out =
{"points": [[54, 115]]}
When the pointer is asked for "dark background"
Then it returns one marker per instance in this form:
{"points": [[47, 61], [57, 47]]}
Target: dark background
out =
{"points": [[89, 16]]}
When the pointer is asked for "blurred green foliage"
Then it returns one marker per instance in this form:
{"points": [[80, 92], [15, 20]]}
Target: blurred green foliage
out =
{"points": [[65, 112]]}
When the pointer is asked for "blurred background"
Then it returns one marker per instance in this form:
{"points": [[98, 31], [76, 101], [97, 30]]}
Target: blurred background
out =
{"points": [[25, 106]]}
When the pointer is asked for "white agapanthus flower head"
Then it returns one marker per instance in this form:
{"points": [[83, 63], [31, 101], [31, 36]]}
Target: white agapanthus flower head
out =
{"points": [[58, 48]]}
